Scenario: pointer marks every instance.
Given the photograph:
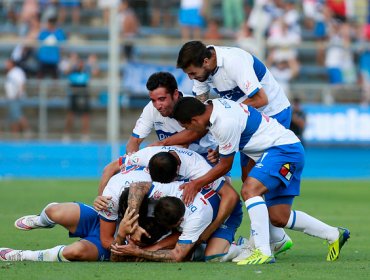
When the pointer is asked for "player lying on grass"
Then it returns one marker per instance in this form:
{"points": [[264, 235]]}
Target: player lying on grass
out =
{"points": [[274, 181], [163, 167], [81, 221], [191, 167]]}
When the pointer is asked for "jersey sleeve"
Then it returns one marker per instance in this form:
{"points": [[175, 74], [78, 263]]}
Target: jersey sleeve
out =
{"points": [[111, 213], [228, 136], [144, 124], [200, 88], [245, 75], [141, 157]]}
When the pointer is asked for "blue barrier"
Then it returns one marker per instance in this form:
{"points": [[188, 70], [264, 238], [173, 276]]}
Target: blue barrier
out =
{"points": [[87, 160]]}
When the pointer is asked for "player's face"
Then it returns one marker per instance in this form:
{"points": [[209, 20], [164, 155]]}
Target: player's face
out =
{"points": [[194, 125], [163, 101], [200, 74]]}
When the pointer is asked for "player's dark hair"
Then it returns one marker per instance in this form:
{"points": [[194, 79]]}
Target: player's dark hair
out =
{"points": [[150, 224], [163, 167], [186, 108], [168, 211], [162, 79], [193, 53]]}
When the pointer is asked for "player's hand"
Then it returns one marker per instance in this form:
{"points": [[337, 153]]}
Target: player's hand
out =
{"points": [[101, 202], [190, 190], [136, 235], [213, 156], [130, 249], [129, 224]]}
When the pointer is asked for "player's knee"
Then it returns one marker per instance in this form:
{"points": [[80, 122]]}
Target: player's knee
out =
{"points": [[53, 211], [278, 220], [77, 253], [249, 191]]}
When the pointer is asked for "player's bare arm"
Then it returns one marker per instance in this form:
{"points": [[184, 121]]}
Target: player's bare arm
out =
{"points": [[136, 194], [193, 187], [184, 138], [258, 100], [203, 97], [107, 230], [178, 254], [109, 170], [133, 144], [229, 198]]}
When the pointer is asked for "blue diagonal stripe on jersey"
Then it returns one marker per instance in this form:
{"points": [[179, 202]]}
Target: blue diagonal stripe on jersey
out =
{"points": [[259, 68], [234, 94], [253, 122]]}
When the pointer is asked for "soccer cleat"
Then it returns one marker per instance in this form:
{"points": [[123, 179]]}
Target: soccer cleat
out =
{"points": [[28, 223], [257, 257], [246, 250], [7, 254], [282, 246], [336, 246]]}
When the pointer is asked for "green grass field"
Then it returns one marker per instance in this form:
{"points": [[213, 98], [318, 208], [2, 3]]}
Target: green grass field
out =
{"points": [[340, 203]]}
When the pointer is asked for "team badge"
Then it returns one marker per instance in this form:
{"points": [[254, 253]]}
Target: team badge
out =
{"points": [[285, 171]]}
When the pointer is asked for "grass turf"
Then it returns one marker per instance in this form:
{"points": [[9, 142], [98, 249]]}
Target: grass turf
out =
{"points": [[339, 203]]}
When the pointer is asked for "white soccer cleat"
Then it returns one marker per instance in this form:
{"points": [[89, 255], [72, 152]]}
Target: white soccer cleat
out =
{"points": [[282, 246], [28, 222], [11, 255], [247, 247]]}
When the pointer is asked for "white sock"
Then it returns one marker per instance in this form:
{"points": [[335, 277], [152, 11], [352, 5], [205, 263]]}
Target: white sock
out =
{"points": [[44, 220], [233, 252], [259, 217], [276, 234], [49, 255], [301, 221]]}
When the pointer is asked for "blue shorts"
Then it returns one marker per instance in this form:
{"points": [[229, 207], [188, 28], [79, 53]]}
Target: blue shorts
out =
{"points": [[228, 229], [15, 110], [335, 76], [284, 118], [88, 228], [191, 18], [280, 172]]}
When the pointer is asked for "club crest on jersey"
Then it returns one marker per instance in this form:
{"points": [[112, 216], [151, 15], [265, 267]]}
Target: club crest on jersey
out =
{"points": [[285, 171], [226, 147], [133, 160], [157, 195]]}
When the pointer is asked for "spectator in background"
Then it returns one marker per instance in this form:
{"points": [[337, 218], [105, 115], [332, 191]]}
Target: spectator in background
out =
{"points": [[105, 6], [48, 9], [365, 76], [74, 5], [79, 98], [233, 13], [213, 30], [284, 68], [298, 123], [15, 92], [49, 50], [339, 55], [245, 39], [29, 14], [129, 27], [191, 18]]}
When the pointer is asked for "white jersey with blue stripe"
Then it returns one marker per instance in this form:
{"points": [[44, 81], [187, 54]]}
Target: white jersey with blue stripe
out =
{"points": [[239, 127], [165, 127], [240, 75], [198, 215], [192, 164], [117, 184]]}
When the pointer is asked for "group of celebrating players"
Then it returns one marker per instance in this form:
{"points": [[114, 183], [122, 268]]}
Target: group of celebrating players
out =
{"points": [[169, 203]]}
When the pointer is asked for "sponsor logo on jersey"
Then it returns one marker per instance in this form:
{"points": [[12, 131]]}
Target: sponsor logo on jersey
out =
{"points": [[158, 123], [285, 171], [259, 165], [247, 85]]}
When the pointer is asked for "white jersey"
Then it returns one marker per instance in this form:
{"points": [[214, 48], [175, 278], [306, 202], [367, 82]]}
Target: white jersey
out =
{"points": [[198, 215], [117, 184], [240, 75], [165, 127], [192, 164], [239, 127]]}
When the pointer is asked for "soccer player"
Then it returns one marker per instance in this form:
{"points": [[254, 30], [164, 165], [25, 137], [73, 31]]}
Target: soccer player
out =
{"points": [[157, 114], [81, 221], [274, 181]]}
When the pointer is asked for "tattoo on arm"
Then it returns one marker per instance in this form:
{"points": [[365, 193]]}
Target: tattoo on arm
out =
{"points": [[136, 194], [203, 97], [174, 255]]}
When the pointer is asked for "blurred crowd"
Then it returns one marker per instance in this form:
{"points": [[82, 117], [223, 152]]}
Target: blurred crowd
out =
{"points": [[339, 30]]}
